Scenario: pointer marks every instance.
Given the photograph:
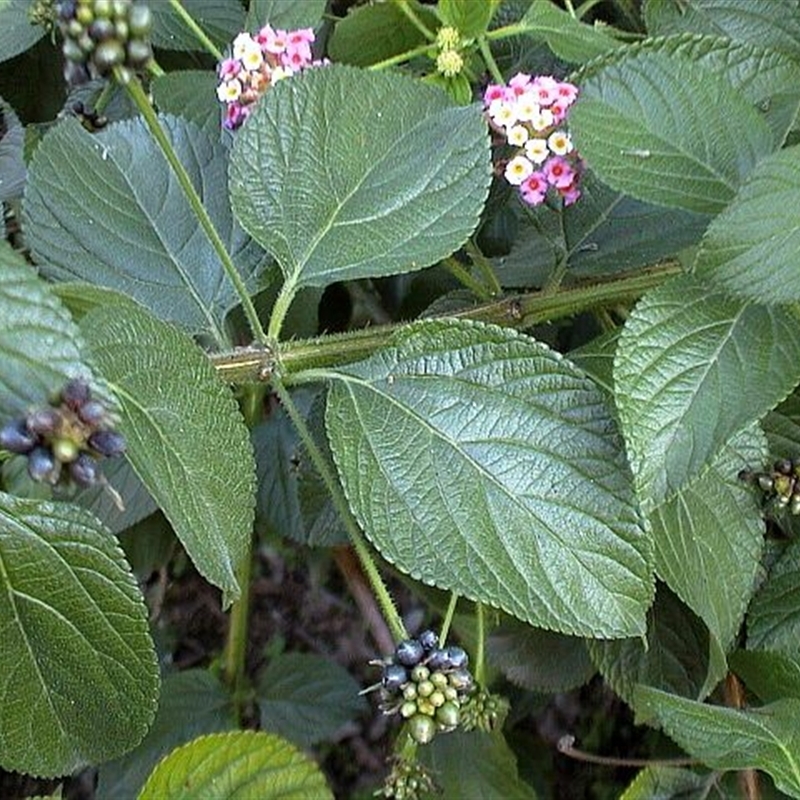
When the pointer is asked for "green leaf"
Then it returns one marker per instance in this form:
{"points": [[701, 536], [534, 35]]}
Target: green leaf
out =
{"points": [[474, 765], [193, 702], [774, 25], [479, 461], [286, 14], [765, 738], [606, 232], [539, 660], [685, 351], [306, 698], [772, 676], [191, 94], [40, 346], [666, 130], [372, 33], [78, 672], [471, 19], [240, 764], [782, 427], [17, 33], [669, 783], [773, 620], [12, 163], [371, 192], [106, 208], [676, 655], [186, 438], [709, 536], [569, 38], [221, 20], [751, 248]]}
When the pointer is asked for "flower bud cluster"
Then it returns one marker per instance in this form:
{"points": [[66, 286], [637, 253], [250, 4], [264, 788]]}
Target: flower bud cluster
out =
{"points": [[529, 114], [257, 63], [64, 441], [408, 780], [484, 711], [781, 484], [425, 684], [102, 34], [449, 61]]}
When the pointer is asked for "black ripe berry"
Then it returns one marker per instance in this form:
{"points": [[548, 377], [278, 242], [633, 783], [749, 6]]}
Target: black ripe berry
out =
{"points": [[77, 391], [16, 438], [83, 470], [92, 412], [394, 677], [43, 466], [429, 640], [107, 443], [456, 657], [44, 421], [409, 653]]}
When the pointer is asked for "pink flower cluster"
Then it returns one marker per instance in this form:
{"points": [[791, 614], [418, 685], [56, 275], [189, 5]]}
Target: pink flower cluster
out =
{"points": [[529, 113], [257, 63]]}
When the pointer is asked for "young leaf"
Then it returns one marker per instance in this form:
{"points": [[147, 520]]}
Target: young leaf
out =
{"points": [[243, 763], [106, 208], [392, 180], [306, 698], [570, 39], [765, 738], [751, 248], [709, 536], [39, 344], [193, 702], [684, 353], [78, 672], [17, 33], [479, 461], [186, 439], [668, 131], [286, 14], [469, 18], [221, 20], [474, 765], [774, 25]]}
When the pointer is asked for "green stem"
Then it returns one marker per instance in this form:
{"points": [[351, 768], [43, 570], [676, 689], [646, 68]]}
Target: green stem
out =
{"points": [[382, 595], [421, 50], [154, 68], [488, 59], [448, 619], [280, 309], [198, 32], [507, 31], [480, 646], [414, 19], [483, 264], [105, 97], [236, 643], [136, 93], [463, 276], [521, 311]]}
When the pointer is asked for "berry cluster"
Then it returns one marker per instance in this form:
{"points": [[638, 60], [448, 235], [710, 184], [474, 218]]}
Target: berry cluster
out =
{"points": [[426, 684], [63, 441], [781, 484], [408, 780], [528, 114], [257, 63], [102, 34]]}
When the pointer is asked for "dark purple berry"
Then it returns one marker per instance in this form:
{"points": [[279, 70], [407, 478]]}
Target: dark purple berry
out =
{"points": [[394, 677], [17, 438], [456, 657], [784, 466], [409, 652], [77, 391], [45, 421], [429, 640], [93, 412], [460, 680], [107, 443], [438, 660], [83, 470], [43, 465], [66, 10]]}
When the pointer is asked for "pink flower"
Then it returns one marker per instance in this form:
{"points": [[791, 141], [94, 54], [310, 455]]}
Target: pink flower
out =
{"points": [[545, 87], [534, 189], [519, 84], [570, 194], [494, 91], [558, 172], [229, 68]]}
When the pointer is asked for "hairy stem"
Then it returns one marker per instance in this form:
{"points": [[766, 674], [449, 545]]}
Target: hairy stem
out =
{"points": [[463, 276], [234, 657], [135, 91], [448, 619], [414, 19], [480, 647], [198, 32], [400, 58], [360, 546], [488, 59]]}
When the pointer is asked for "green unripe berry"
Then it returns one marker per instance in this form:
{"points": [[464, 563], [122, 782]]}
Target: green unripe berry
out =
{"points": [[422, 729], [448, 715], [420, 673], [439, 680], [425, 689], [103, 8], [410, 692], [424, 706], [109, 55], [86, 43], [72, 51], [139, 53], [121, 8], [140, 21], [74, 29], [84, 15], [437, 699], [65, 450], [122, 30], [450, 693], [408, 709]]}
